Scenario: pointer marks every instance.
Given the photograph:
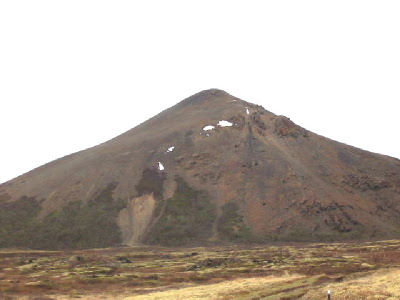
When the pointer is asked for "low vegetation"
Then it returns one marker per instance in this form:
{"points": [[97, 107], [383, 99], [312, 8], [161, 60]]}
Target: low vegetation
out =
{"points": [[76, 226], [368, 270], [231, 224], [18, 221], [186, 218], [151, 182]]}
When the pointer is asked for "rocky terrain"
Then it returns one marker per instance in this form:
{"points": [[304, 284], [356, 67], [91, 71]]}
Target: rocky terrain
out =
{"points": [[213, 169]]}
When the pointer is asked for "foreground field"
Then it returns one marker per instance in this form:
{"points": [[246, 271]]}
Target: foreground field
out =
{"points": [[300, 271]]}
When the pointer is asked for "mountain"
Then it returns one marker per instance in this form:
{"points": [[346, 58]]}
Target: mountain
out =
{"points": [[211, 169]]}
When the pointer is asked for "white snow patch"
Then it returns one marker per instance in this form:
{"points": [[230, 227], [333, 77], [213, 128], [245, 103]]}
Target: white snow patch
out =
{"points": [[207, 134], [224, 123], [208, 127], [160, 166], [170, 149], [247, 111]]}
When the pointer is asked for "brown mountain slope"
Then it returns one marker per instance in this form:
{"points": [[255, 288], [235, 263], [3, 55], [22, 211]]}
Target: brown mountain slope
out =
{"points": [[262, 178]]}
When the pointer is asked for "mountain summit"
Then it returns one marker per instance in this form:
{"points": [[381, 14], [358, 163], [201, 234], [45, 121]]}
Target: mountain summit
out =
{"points": [[211, 169]]}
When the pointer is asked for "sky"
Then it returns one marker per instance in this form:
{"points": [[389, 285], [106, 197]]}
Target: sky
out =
{"points": [[74, 74]]}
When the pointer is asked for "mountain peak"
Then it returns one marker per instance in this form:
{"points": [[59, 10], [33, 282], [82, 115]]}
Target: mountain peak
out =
{"points": [[210, 95], [213, 91]]}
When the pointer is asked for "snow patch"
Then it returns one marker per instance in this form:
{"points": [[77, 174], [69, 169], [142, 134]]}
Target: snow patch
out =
{"points": [[247, 111], [224, 123], [160, 166], [208, 127], [170, 149]]}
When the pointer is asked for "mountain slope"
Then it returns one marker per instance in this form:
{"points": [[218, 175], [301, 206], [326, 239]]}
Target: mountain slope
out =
{"points": [[212, 168]]}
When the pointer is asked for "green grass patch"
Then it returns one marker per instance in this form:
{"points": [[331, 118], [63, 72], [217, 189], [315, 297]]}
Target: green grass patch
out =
{"points": [[231, 225], [187, 219], [78, 225]]}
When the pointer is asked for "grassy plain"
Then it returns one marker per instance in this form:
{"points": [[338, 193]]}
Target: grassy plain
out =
{"points": [[369, 270]]}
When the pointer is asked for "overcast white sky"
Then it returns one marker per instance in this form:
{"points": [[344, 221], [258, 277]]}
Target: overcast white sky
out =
{"points": [[74, 74]]}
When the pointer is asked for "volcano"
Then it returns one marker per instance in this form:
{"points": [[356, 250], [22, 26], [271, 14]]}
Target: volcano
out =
{"points": [[211, 169]]}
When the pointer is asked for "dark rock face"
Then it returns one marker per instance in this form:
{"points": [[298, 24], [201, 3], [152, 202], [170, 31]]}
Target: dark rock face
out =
{"points": [[211, 169], [284, 127], [365, 182]]}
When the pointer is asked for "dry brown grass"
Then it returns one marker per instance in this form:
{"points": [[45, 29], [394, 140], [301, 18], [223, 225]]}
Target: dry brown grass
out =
{"points": [[284, 271], [223, 290], [383, 284]]}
